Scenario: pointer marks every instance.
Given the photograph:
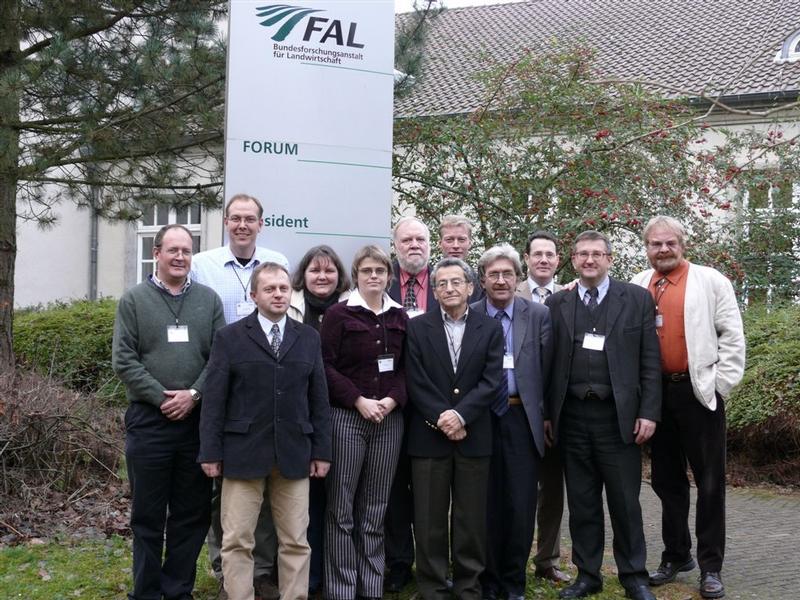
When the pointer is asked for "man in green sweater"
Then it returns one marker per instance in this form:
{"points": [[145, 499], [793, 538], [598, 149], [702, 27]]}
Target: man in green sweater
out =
{"points": [[162, 340]]}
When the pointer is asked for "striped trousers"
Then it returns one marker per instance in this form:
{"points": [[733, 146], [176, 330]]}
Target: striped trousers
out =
{"points": [[365, 456]]}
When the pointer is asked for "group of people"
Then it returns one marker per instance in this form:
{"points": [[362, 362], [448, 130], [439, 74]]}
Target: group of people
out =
{"points": [[334, 429]]}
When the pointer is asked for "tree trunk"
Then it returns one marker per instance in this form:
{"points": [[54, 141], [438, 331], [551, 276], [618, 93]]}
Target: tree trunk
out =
{"points": [[9, 157]]}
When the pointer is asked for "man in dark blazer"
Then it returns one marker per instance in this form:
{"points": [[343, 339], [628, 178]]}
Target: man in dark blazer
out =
{"points": [[517, 423], [265, 421], [604, 399], [453, 372], [412, 289]]}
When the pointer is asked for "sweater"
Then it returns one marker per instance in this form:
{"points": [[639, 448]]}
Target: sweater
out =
{"points": [[143, 358]]}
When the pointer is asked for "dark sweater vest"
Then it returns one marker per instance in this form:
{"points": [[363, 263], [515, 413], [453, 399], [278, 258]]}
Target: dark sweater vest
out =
{"points": [[589, 367]]}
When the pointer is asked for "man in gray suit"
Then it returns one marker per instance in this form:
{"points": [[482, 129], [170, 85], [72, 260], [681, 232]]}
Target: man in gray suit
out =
{"points": [[541, 256], [517, 422]]}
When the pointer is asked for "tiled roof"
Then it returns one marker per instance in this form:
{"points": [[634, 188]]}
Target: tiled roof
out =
{"points": [[691, 44]]}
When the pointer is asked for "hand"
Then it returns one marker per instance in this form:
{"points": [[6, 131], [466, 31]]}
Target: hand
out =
{"points": [[319, 468], [643, 429], [548, 433], [387, 405], [212, 469], [571, 285], [458, 435], [177, 404], [449, 422], [369, 409]]}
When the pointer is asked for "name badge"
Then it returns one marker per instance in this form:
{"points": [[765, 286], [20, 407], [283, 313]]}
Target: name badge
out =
{"points": [[245, 308], [593, 341], [178, 333], [659, 320], [508, 361], [414, 313], [386, 363]]}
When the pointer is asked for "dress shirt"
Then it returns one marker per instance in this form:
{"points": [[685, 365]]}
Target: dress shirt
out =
{"points": [[670, 298], [508, 337], [454, 333], [421, 290], [160, 284], [266, 325], [602, 290], [219, 270]]}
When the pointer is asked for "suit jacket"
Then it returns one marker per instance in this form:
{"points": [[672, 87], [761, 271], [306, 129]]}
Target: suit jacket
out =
{"points": [[714, 333], [524, 290], [394, 288], [631, 347], [433, 387], [258, 408], [533, 349]]}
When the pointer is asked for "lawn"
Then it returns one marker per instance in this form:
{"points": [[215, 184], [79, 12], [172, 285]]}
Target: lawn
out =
{"points": [[101, 570]]}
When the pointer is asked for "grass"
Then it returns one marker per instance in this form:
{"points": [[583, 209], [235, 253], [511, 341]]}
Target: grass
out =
{"points": [[101, 570]]}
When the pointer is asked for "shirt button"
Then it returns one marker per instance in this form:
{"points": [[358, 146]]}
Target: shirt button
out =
{"points": [[377, 325], [377, 341], [456, 391]]}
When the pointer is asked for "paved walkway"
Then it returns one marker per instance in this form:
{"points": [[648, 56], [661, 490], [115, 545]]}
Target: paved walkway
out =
{"points": [[762, 555]]}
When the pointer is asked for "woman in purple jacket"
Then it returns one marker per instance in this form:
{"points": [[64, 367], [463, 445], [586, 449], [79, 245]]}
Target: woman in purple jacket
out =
{"points": [[362, 348]]}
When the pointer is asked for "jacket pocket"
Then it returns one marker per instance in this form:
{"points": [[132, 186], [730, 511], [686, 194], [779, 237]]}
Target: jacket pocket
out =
{"points": [[237, 426]]}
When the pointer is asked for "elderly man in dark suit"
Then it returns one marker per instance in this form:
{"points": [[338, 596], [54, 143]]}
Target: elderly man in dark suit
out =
{"points": [[265, 421], [604, 400], [453, 370], [517, 423]]}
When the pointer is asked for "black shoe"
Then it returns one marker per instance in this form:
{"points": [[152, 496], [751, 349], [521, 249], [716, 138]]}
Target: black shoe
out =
{"points": [[639, 592], [580, 589], [711, 585], [399, 577], [668, 571]]}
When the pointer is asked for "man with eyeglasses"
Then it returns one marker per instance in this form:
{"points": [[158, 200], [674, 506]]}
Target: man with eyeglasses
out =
{"points": [[228, 270], [603, 404], [163, 333], [453, 372], [541, 257], [517, 423], [702, 359]]}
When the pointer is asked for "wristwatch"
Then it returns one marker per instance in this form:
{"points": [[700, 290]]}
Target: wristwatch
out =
{"points": [[195, 395]]}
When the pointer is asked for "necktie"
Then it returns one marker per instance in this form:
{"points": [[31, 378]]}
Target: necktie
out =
{"points": [[410, 301], [542, 293], [591, 299], [276, 338], [500, 406]]}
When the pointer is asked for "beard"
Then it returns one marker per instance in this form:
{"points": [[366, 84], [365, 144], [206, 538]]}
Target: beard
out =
{"points": [[412, 265]]}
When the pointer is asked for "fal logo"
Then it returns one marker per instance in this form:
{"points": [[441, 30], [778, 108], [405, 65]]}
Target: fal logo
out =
{"points": [[323, 30]]}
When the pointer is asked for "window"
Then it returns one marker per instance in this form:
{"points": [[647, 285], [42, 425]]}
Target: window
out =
{"points": [[153, 219], [790, 50]]}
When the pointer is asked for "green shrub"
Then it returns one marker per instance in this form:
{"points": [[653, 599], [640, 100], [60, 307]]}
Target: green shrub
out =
{"points": [[763, 413], [71, 342]]}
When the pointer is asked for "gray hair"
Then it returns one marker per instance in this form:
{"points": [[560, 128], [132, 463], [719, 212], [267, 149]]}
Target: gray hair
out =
{"points": [[451, 262], [403, 220], [666, 222], [496, 253], [590, 235]]}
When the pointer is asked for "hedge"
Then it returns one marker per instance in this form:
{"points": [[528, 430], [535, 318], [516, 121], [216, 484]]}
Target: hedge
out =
{"points": [[70, 342]]}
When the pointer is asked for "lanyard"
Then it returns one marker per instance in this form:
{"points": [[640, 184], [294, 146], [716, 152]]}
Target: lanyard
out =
{"points": [[169, 303]]}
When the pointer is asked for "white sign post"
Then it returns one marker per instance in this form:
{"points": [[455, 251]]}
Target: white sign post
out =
{"points": [[309, 120]]}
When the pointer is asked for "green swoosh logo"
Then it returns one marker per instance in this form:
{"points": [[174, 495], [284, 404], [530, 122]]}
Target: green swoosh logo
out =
{"points": [[291, 15]]}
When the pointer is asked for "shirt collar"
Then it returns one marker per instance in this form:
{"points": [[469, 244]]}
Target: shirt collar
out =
{"points": [[602, 288], [492, 310], [421, 277], [266, 325], [448, 319], [356, 299], [229, 258], [676, 274], [160, 284], [551, 285]]}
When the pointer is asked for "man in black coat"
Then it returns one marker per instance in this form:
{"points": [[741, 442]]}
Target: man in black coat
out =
{"points": [[453, 371], [604, 399], [265, 421]]}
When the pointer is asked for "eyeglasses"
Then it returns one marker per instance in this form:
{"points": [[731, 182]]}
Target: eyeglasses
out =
{"points": [[368, 272], [496, 275], [584, 255], [236, 219], [455, 283], [176, 251], [541, 255]]}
